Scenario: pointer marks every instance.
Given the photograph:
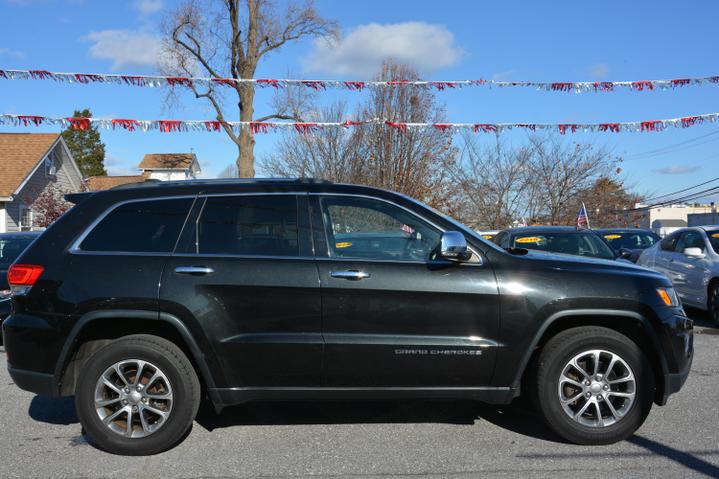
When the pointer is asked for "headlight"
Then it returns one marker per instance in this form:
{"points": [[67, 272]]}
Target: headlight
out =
{"points": [[668, 296]]}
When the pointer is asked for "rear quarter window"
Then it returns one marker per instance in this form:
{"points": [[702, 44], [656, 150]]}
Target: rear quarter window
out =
{"points": [[140, 227]]}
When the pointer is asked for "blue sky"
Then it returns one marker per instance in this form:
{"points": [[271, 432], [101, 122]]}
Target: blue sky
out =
{"points": [[540, 41]]}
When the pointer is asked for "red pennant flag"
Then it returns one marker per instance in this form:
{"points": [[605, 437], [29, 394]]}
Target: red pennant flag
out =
{"points": [[609, 127], [562, 86], [529, 126], [88, 77], [79, 123], [354, 85], [179, 81], [3, 74], [225, 81], [641, 85], [441, 85], [563, 127], [316, 85], [484, 127], [212, 125], [398, 126], [128, 125], [41, 74], [133, 80], [681, 82], [349, 123], [167, 126], [269, 82], [260, 126], [443, 127], [688, 121], [651, 125], [26, 119], [603, 86], [306, 127]]}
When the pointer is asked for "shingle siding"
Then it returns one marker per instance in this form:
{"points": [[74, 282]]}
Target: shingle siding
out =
{"points": [[66, 180]]}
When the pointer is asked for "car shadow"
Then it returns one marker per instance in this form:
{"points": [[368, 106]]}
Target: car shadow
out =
{"points": [[53, 410], [515, 417]]}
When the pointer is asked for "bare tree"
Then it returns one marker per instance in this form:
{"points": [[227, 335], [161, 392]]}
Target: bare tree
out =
{"points": [[561, 171], [493, 182], [227, 39], [416, 162]]}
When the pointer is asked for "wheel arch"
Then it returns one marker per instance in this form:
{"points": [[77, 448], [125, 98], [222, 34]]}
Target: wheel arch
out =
{"points": [[632, 324], [92, 332]]}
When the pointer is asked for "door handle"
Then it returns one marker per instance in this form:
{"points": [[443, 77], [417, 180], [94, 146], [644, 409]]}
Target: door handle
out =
{"points": [[351, 275], [194, 270]]}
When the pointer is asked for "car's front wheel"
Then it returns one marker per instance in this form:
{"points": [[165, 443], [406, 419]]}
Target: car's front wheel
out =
{"points": [[137, 396], [593, 385]]}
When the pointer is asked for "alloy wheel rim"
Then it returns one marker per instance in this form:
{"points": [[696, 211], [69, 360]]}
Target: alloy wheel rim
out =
{"points": [[133, 398], [597, 388]]}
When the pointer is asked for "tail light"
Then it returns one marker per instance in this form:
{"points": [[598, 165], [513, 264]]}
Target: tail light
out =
{"points": [[22, 277]]}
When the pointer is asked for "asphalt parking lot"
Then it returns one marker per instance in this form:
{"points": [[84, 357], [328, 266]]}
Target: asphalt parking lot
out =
{"points": [[41, 437]]}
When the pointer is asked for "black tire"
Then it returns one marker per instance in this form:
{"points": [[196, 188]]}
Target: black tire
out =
{"points": [[558, 352], [713, 302], [176, 367]]}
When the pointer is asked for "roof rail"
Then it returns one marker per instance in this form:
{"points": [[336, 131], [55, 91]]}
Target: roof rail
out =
{"points": [[150, 182]]}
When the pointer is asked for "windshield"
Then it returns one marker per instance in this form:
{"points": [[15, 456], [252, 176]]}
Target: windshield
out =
{"points": [[10, 249], [714, 239], [630, 240], [566, 243]]}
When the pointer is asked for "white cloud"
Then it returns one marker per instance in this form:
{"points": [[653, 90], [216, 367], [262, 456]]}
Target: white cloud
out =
{"points": [[147, 7], [677, 170], [124, 47], [598, 70], [116, 166], [8, 52], [424, 46]]}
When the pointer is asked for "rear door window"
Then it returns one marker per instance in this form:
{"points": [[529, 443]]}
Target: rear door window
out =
{"points": [[248, 225], [151, 226]]}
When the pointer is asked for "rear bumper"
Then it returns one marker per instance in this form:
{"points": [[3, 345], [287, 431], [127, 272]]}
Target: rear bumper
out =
{"points": [[38, 383]]}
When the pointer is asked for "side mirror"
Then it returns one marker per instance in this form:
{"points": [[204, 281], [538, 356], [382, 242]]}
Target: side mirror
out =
{"points": [[693, 252], [625, 253], [453, 246]]}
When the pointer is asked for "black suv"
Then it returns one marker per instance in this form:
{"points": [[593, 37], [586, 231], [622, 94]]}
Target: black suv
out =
{"points": [[142, 300]]}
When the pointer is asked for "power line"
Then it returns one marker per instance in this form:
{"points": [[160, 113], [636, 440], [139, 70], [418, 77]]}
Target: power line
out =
{"points": [[666, 149], [693, 196], [683, 190]]}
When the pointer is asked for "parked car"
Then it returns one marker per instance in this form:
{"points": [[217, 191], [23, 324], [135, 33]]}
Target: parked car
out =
{"points": [[557, 239], [143, 299], [690, 257], [628, 242], [11, 245]]}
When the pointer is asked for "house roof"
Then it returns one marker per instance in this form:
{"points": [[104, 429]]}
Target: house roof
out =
{"points": [[167, 161], [19, 154], [97, 183]]}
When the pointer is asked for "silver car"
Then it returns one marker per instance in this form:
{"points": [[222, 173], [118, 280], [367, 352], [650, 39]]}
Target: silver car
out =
{"points": [[690, 257]]}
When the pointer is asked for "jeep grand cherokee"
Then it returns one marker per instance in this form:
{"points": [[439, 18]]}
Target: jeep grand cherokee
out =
{"points": [[144, 299]]}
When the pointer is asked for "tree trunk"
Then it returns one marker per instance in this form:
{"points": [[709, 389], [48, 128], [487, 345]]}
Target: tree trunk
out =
{"points": [[246, 143]]}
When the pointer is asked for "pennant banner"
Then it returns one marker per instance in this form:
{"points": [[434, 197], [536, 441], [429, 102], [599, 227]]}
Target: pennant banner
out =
{"points": [[188, 82], [171, 126]]}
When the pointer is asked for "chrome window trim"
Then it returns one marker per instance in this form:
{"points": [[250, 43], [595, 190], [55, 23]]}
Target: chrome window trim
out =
{"points": [[75, 248]]}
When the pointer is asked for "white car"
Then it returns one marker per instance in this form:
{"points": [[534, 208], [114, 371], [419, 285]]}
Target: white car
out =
{"points": [[690, 257]]}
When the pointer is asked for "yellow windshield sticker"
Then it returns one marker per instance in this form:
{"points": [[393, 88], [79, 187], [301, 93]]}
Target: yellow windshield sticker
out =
{"points": [[343, 244], [715, 235], [612, 236], [487, 236], [528, 239]]}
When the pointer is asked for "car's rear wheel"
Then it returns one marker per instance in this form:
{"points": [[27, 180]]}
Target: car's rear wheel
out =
{"points": [[593, 385], [713, 302], [137, 395]]}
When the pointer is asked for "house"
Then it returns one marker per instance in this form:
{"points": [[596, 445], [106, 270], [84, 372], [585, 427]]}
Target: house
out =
{"points": [[32, 164], [170, 166], [665, 219], [157, 166]]}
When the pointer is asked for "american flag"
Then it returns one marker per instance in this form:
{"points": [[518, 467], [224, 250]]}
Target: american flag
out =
{"points": [[582, 218]]}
